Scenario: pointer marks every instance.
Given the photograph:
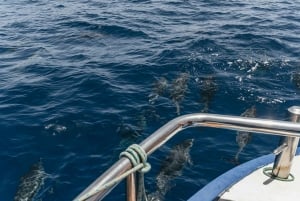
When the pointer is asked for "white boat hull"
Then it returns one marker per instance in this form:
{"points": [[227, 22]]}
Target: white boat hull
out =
{"points": [[248, 182]]}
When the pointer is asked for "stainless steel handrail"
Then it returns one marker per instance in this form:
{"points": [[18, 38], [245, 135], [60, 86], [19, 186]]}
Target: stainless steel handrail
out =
{"points": [[162, 135], [287, 149]]}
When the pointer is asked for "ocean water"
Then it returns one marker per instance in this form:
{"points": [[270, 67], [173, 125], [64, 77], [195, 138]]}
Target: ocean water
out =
{"points": [[78, 84]]}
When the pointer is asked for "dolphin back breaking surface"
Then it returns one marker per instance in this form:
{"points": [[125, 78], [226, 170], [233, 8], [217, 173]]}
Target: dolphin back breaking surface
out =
{"points": [[179, 88], [208, 89], [30, 183]]}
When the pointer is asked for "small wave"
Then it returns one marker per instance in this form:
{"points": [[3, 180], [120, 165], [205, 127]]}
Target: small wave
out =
{"points": [[121, 31], [79, 24], [265, 42], [112, 30], [6, 50], [168, 55], [140, 1], [77, 57], [204, 44], [235, 27], [247, 36], [60, 6]]}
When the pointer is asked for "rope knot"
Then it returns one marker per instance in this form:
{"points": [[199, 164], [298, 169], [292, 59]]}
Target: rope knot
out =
{"points": [[137, 155]]}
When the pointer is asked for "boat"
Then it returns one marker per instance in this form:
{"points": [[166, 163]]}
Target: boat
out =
{"points": [[271, 177]]}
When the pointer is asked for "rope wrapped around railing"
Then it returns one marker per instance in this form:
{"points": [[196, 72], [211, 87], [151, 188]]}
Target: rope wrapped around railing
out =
{"points": [[138, 159]]}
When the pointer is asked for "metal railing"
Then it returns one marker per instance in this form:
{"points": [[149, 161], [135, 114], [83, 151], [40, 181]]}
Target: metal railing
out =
{"points": [[286, 151]]}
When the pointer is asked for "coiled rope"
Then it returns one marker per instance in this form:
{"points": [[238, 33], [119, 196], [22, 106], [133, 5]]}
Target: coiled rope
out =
{"points": [[138, 159], [137, 156]]}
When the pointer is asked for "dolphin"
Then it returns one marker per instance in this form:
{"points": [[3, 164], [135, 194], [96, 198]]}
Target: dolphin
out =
{"points": [[208, 90], [129, 134], [242, 137], [178, 89], [160, 88], [31, 183], [296, 79], [171, 168]]}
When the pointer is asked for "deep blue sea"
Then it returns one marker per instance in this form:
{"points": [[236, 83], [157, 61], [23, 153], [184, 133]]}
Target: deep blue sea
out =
{"points": [[78, 81]]}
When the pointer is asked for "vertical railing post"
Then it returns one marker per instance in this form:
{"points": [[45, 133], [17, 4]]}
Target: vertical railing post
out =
{"points": [[284, 159], [131, 187]]}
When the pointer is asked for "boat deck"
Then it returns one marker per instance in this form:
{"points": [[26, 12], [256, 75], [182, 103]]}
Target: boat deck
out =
{"points": [[257, 186]]}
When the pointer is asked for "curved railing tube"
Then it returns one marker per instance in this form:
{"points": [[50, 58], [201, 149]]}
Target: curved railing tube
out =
{"points": [[162, 135]]}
